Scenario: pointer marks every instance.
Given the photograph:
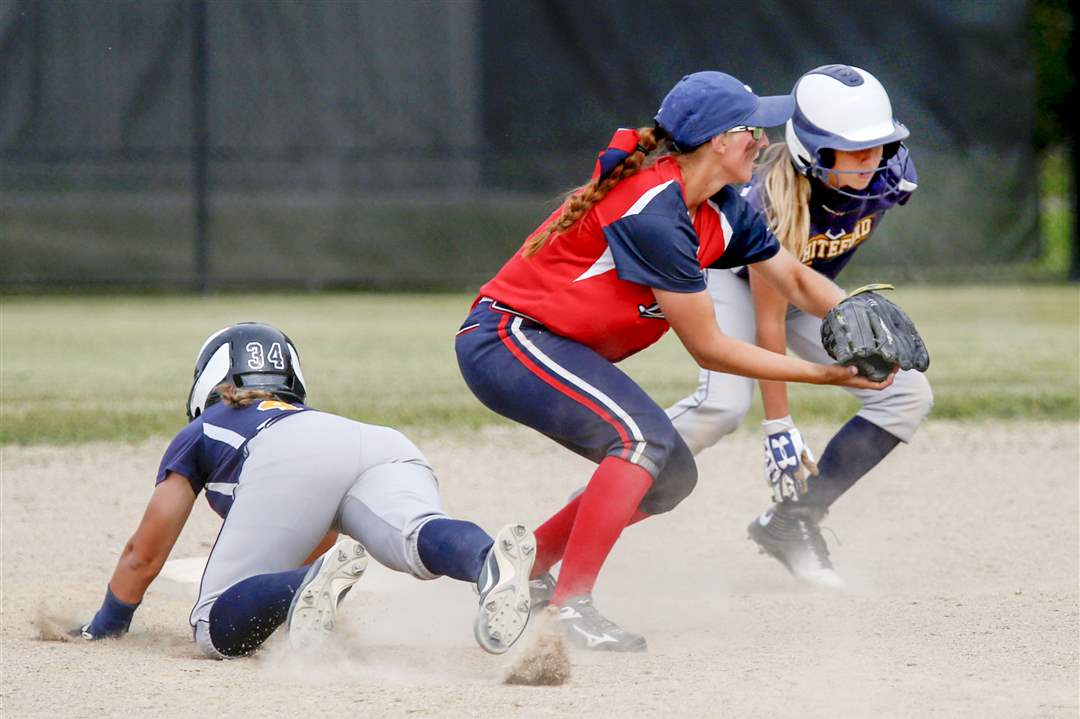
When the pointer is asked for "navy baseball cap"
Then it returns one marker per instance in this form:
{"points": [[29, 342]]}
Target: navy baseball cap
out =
{"points": [[705, 104]]}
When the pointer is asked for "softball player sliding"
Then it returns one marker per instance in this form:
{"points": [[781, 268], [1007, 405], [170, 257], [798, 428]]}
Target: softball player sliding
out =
{"points": [[282, 475], [824, 193], [604, 277]]}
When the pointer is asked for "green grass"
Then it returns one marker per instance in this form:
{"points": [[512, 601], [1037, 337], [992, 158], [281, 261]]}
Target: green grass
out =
{"points": [[1055, 215], [74, 369]]}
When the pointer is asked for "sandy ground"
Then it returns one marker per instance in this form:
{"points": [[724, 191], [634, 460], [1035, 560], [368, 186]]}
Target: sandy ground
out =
{"points": [[961, 552]]}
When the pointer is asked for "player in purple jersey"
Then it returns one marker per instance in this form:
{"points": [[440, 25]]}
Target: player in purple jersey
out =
{"points": [[824, 193], [604, 277], [285, 479]]}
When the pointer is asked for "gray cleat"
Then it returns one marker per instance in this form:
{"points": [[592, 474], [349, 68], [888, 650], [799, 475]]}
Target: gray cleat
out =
{"points": [[313, 612], [586, 628], [504, 589]]}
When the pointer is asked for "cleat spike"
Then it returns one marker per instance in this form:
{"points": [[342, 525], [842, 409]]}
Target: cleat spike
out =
{"points": [[499, 620], [313, 612]]}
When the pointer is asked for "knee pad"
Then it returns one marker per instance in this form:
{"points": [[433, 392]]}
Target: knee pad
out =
{"points": [[674, 483]]}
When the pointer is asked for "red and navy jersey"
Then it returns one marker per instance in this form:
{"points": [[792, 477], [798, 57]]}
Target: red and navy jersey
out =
{"points": [[840, 224], [210, 451], [594, 283]]}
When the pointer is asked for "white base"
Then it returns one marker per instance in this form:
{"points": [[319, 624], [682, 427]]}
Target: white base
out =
{"points": [[181, 577]]}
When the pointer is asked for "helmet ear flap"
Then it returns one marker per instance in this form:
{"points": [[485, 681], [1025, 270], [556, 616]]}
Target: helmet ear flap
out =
{"points": [[800, 156]]}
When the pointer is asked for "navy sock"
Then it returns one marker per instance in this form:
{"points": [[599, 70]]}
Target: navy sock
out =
{"points": [[453, 548], [851, 453], [249, 611]]}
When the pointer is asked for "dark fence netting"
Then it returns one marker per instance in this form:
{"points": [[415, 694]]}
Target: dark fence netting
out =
{"points": [[413, 144]]}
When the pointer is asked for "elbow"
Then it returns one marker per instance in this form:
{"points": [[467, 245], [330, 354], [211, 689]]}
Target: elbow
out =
{"points": [[699, 354], [712, 361], [142, 562]]}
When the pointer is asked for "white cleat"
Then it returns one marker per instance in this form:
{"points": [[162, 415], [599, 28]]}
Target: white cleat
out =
{"points": [[504, 589], [313, 612]]}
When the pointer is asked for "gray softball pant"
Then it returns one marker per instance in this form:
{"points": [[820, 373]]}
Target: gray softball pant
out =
{"points": [[721, 400], [311, 473]]}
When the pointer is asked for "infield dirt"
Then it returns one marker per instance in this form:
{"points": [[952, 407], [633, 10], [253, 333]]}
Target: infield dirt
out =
{"points": [[961, 552]]}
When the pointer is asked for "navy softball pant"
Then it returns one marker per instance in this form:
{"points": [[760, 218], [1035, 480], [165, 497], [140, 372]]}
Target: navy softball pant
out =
{"points": [[523, 371]]}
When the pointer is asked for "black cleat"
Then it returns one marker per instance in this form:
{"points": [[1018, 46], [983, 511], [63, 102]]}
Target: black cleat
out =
{"points": [[792, 535]]}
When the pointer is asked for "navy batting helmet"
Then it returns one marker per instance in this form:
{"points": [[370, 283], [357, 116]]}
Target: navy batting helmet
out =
{"points": [[841, 107], [251, 355]]}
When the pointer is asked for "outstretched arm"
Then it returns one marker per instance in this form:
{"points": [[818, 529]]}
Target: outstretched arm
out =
{"points": [[691, 316], [770, 315], [143, 556], [145, 553]]}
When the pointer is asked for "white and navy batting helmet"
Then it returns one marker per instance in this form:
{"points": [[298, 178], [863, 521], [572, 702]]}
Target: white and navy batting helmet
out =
{"points": [[248, 354], [839, 107]]}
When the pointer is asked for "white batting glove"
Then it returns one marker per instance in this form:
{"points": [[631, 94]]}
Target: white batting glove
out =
{"points": [[788, 461]]}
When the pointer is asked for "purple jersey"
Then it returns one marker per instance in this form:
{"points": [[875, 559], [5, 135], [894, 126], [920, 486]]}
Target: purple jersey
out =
{"points": [[210, 451], [840, 224]]}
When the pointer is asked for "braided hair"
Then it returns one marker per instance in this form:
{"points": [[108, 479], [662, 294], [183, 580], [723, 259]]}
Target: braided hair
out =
{"points": [[578, 202]]}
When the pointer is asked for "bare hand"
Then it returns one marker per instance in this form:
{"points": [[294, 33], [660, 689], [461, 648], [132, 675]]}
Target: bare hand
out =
{"points": [[845, 376]]}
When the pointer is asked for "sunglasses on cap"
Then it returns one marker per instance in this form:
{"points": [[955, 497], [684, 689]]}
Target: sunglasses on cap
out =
{"points": [[755, 132]]}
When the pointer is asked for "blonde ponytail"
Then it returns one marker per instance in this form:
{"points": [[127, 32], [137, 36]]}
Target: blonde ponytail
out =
{"points": [[787, 199]]}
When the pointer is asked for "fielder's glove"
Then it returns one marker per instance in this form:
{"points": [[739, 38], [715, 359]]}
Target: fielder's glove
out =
{"points": [[788, 461], [870, 332]]}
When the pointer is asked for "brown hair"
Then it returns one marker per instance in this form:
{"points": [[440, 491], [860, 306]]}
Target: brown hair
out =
{"points": [[238, 398], [787, 199], [578, 202]]}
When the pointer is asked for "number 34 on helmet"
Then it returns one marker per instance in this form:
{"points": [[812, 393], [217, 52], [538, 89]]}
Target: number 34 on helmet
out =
{"points": [[250, 355]]}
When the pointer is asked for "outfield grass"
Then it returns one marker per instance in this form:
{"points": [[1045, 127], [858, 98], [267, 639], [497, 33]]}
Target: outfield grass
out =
{"points": [[74, 369]]}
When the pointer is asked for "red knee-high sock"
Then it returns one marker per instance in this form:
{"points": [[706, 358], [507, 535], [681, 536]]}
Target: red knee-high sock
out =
{"points": [[551, 537], [606, 505]]}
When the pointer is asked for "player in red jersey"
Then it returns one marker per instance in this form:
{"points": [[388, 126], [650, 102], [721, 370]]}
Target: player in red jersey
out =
{"points": [[604, 277]]}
